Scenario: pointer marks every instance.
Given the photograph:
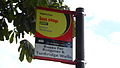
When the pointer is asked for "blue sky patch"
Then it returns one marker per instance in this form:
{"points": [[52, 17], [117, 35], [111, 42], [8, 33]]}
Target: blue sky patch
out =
{"points": [[106, 27]]}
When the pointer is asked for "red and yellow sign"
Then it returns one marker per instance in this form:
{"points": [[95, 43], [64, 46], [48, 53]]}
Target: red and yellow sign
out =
{"points": [[54, 34]]}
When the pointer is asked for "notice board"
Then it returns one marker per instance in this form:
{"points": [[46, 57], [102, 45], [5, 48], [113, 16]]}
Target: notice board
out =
{"points": [[53, 37]]}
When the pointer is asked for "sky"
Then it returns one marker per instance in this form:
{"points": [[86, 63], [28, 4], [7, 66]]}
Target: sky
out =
{"points": [[102, 38]]}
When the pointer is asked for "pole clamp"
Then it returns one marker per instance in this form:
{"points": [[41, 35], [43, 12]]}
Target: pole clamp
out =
{"points": [[81, 61]]}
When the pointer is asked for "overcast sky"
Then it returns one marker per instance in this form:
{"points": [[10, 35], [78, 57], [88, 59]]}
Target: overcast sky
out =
{"points": [[102, 38]]}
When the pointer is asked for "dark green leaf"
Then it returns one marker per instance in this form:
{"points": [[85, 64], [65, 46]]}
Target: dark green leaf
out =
{"points": [[23, 34], [42, 3], [17, 20], [11, 38], [20, 47], [30, 33], [16, 37], [9, 15], [3, 32], [61, 0], [26, 24], [10, 32], [6, 34], [1, 36], [30, 49], [28, 58], [55, 5], [14, 1], [54, 0], [21, 57], [5, 24]]}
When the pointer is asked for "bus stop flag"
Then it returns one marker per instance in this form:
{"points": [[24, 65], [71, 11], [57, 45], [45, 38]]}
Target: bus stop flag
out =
{"points": [[53, 38]]}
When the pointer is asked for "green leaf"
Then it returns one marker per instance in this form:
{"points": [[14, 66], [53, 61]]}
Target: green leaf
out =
{"points": [[9, 32], [43, 3], [23, 34], [61, 0], [10, 15], [16, 37], [3, 32], [54, 0], [21, 46], [14, 1], [28, 57], [5, 29], [1, 36], [6, 34], [55, 5], [11, 38], [30, 33], [30, 49], [21, 57], [17, 20], [26, 24], [5, 24]]}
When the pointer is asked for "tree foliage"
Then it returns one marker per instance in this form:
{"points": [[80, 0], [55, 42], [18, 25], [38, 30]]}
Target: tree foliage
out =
{"points": [[21, 14]]}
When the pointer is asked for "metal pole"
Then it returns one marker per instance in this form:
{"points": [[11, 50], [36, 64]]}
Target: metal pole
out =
{"points": [[80, 38]]}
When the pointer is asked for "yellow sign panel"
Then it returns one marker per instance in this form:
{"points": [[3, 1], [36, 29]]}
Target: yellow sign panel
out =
{"points": [[50, 24]]}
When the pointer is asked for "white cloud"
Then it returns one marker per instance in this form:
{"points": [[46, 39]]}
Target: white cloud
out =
{"points": [[101, 9], [8, 55], [93, 22], [115, 37], [100, 52]]}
